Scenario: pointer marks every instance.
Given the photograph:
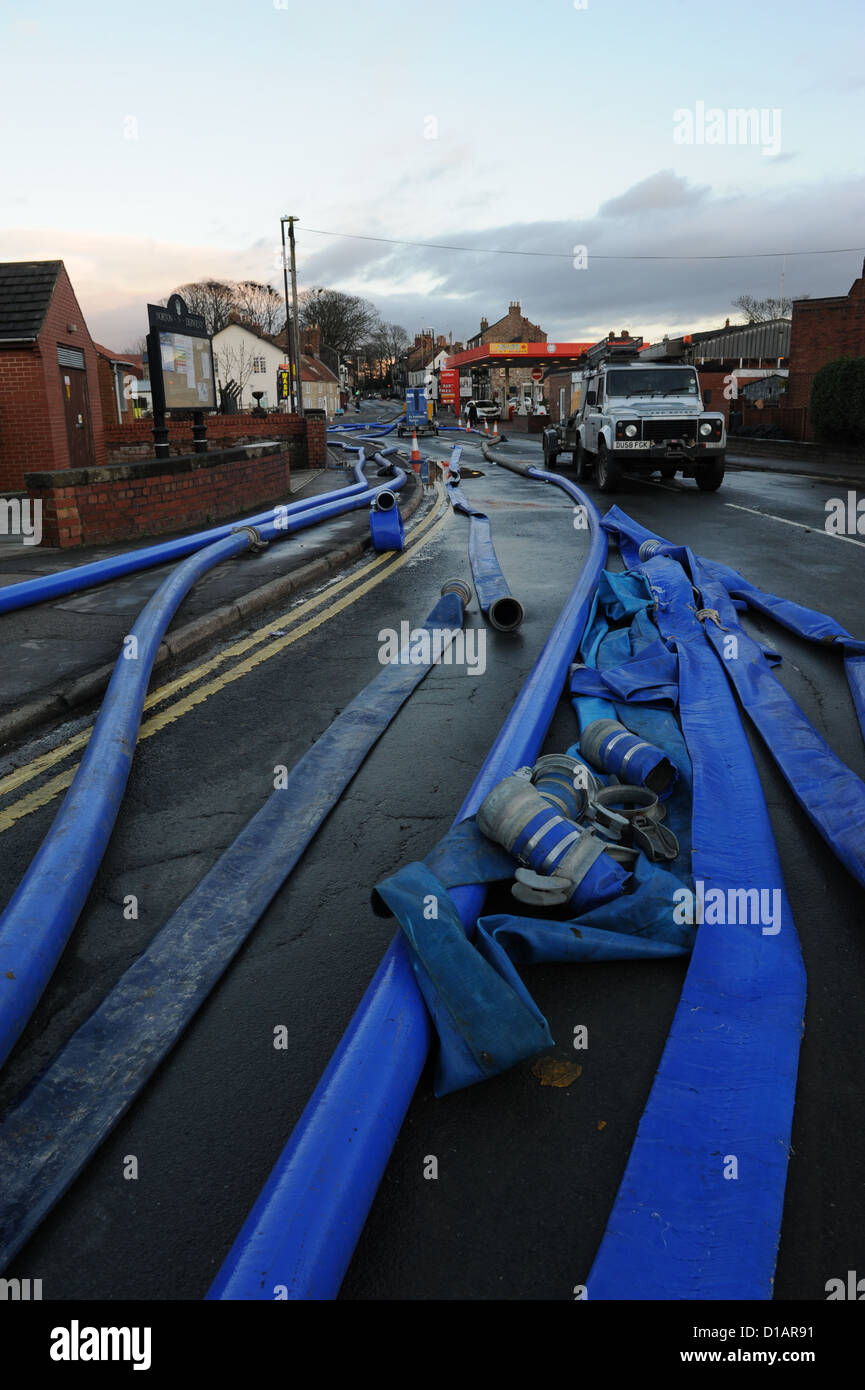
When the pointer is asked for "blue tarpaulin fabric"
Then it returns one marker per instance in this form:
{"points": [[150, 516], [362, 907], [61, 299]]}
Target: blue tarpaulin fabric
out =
{"points": [[465, 855], [536, 941], [485, 1017], [645, 915]]}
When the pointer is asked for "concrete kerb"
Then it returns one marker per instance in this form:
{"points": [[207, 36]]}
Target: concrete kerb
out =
{"points": [[183, 640]]}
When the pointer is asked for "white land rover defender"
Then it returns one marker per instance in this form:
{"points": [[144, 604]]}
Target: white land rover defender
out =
{"points": [[639, 416]]}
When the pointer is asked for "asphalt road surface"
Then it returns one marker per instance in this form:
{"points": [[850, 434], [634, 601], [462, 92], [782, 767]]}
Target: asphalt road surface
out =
{"points": [[527, 1173]]}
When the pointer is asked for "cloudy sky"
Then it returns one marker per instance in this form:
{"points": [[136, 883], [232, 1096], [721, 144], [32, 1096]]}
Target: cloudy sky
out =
{"points": [[150, 145]]}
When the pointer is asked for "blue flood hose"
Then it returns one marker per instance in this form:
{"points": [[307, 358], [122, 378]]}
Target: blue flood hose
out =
{"points": [[40, 917], [503, 611], [56, 1125], [303, 1228], [49, 586]]}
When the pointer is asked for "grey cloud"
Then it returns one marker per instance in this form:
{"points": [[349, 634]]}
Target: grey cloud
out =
{"points": [[568, 303], [571, 304], [665, 189]]}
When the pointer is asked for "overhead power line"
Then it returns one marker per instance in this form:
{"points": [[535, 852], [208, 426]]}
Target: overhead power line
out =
{"points": [[568, 255]]}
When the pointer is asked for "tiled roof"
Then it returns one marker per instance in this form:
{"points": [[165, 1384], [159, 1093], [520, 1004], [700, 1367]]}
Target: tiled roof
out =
{"points": [[26, 288], [128, 359], [313, 369]]}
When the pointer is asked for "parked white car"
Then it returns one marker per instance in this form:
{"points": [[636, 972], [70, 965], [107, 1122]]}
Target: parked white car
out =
{"points": [[487, 410]]}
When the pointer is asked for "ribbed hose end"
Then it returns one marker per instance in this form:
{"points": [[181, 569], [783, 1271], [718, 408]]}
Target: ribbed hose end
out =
{"points": [[458, 586], [505, 613]]}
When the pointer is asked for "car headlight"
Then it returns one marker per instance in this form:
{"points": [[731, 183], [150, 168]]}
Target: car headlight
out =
{"points": [[705, 429], [630, 431]]}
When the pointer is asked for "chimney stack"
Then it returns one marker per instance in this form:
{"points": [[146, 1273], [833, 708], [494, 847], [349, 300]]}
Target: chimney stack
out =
{"points": [[310, 343]]}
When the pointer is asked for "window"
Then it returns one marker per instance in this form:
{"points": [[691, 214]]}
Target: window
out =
{"points": [[662, 381], [259, 364]]}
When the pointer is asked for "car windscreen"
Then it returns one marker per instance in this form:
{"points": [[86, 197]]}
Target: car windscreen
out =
{"points": [[666, 381]]}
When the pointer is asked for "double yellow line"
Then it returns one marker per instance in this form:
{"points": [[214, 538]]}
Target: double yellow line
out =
{"points": [[246, 654]]}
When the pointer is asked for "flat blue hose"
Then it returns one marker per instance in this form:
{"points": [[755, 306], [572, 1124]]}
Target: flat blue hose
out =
{"points": [[58, 1123], [495, 598], [69, 581], [302, 1230], [39, 919]]}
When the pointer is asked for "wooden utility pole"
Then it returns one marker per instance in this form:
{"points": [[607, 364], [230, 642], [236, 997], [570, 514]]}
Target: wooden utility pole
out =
{"points": [[295, 325], [288, 346]]}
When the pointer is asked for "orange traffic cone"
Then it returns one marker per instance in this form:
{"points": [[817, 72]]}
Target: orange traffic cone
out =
{"points": [[468, 424], [495, 429], [414, 457], [486, 425]]}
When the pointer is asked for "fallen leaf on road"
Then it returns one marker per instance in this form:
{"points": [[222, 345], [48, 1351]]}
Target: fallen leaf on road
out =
{"points": [[552, 1073]]}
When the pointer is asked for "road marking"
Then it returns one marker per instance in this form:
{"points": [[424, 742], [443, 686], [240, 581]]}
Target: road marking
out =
{"points": [[157, 697], [815, 530], [378, 570]]}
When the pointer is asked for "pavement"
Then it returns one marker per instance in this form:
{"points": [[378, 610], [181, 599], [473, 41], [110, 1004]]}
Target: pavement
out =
{"points": [[826, 470], [60, 655]]}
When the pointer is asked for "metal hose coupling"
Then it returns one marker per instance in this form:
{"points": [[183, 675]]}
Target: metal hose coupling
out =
{"points": [[611, 748], [458, 586], [560, 860], [652, 547], [385, 522], [384, 501], [631, 817], [505, 613], [255, 542], [565, 782]]}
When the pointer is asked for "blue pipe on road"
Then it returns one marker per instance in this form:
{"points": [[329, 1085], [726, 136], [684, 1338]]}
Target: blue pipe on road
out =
{"points": [[50, 586], [503, 611], [38, 921], [302, 1231], [53, 1129]]}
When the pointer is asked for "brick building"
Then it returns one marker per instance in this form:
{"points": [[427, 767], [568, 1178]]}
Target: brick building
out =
{"points": [[514, 327], [50, 404], [823, 330], [118, 378]]}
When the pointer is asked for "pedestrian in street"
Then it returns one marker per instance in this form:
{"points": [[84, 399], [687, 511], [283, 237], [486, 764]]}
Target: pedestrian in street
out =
{"points": [[472, 414]]}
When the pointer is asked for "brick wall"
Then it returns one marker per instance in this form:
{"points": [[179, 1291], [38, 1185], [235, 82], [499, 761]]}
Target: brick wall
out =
{"points": [[25, 429], [717, 383], [823, 330], [305, 439], [90, 506], [32, 420]]}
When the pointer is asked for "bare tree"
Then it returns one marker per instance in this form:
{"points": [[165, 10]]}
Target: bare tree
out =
{"points": [[762, 310], [383, 350], [346, 321], [214, 299], [137, 349], [235, 364], [261, 306]]}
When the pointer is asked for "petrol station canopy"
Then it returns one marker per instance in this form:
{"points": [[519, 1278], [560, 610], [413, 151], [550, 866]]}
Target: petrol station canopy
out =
{"points": [[518, 355]]}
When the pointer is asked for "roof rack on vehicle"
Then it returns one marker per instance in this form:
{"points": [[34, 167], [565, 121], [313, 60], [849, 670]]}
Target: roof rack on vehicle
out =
{"points": [[613, 349]]}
